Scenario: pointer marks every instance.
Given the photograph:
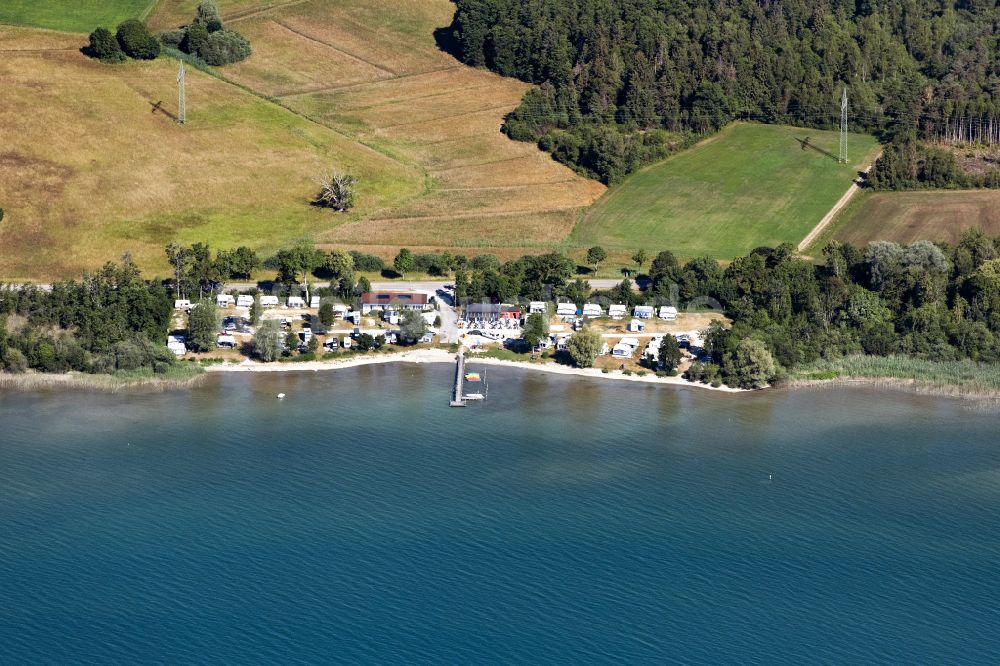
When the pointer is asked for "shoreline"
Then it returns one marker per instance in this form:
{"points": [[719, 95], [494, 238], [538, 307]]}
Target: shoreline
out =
{"points": [[443, 356], [33, 381]]}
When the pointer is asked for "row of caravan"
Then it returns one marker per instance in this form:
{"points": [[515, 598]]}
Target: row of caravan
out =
{"points": [[246, 301]]}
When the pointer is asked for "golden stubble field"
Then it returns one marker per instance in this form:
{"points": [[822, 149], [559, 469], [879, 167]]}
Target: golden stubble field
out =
{"points": [[88, 169], [372, 70]]}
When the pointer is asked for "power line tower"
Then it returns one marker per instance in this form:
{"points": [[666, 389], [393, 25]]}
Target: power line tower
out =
{"points": [[181, 101], [843, 127]]}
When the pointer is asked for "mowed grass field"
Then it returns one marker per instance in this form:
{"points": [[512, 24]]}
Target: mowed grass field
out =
{"points": [[88, 170], [72, 15], [905, 217], [372, 70], [748, 186]]}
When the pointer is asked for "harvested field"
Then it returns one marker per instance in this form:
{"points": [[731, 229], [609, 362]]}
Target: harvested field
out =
{"points": [[95, 171], [372, 71], [905, 217]]}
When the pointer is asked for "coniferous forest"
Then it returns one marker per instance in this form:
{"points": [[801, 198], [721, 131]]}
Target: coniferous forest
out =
{"points": [[625, 82]]}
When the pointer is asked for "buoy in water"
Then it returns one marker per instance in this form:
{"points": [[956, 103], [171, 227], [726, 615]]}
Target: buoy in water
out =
{"points": [[281, 396]]}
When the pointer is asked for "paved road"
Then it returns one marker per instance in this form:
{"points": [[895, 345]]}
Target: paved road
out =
{"points": [[396, 285], [400, 285]]}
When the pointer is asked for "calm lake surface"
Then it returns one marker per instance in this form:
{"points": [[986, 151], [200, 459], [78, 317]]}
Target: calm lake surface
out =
{"points": [[564, 521]]}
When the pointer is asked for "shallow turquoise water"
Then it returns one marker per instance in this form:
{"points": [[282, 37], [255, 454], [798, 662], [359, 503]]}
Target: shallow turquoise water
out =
{"points": [[565, 521]]}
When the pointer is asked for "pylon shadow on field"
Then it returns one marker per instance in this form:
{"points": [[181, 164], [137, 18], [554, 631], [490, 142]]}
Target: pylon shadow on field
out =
{"points": [[807, 144], [158, 106]]}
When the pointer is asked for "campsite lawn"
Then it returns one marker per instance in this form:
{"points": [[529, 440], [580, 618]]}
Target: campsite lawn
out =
{"points": [[904, 217], [72, 15], [748, 186]]}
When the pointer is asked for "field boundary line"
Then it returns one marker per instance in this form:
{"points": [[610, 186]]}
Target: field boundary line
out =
{"points": [[360, 84], [406, 100], [439, 118], [255, 12], [497, 188], [335, 48], [837, 207], [460, 216]]}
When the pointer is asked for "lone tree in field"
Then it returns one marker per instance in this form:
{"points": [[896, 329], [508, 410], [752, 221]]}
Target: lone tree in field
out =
{"points": [[595, 256], [337, 191], [640, 257]]}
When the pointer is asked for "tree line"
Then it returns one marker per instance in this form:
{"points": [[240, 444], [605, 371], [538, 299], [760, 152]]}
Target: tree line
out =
{"points": [[621, 83]]}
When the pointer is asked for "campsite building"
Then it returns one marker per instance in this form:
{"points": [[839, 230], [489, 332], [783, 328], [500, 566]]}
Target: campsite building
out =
{"points": [[396, 300], [182, 304], [617, 311], [296, 302], [225, 301], [269, 301], [592, 310], [244, 301]]}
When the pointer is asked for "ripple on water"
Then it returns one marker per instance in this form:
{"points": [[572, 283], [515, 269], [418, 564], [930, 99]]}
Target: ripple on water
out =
{"points": [[564, 521]]}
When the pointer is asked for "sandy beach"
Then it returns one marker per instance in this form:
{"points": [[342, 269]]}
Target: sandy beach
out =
{"points": [[443, 356]]}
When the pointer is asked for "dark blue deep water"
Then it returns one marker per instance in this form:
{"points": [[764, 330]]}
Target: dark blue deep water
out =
{"points": [[564, 521]]}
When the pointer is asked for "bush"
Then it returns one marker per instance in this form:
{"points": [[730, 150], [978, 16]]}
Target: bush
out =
{"points": [[208, 16], [173, 38], [195, 39], [225, 47], [367, 263], [104, 46], [136, 41]]}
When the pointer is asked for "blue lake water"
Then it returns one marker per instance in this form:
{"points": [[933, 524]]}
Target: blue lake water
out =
{"points": [[564, 521]]}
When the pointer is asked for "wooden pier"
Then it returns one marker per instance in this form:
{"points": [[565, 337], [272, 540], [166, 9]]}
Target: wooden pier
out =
{"points": [[457, 398]]}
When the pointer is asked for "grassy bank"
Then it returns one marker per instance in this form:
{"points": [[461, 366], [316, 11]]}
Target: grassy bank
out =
{"points": [[948, 377], [178, 376]]}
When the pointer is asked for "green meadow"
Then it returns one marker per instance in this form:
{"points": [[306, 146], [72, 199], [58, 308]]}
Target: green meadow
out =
{"points": [[749, 185], [72, 15]]}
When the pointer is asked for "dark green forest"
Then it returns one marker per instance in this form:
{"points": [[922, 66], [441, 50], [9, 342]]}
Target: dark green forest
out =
{"points": [[623, 82]]}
